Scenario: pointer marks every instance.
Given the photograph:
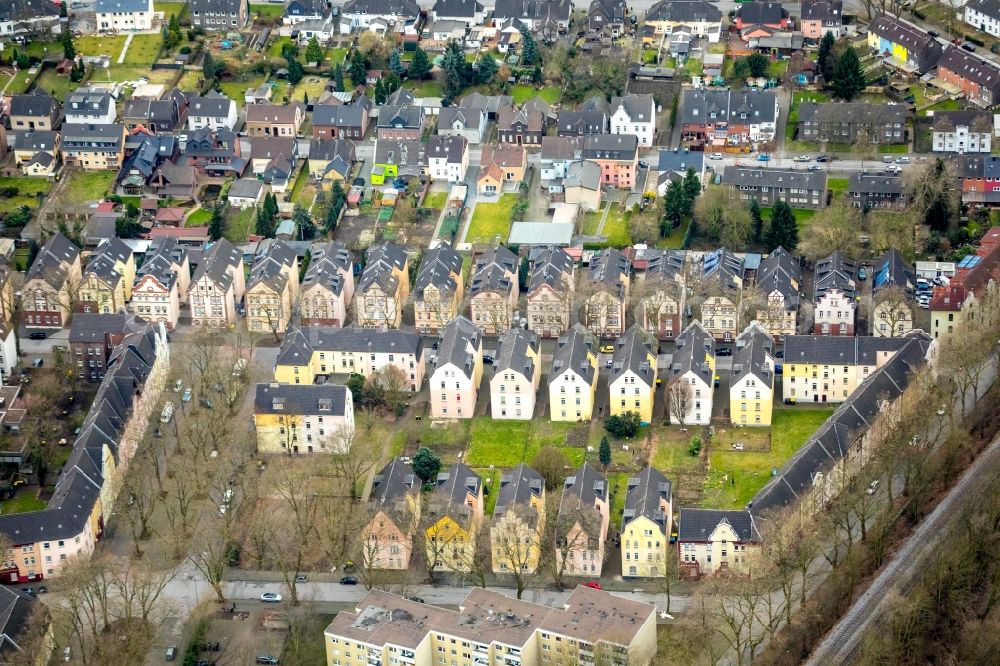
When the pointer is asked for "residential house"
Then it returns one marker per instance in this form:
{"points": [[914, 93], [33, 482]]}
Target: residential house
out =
{"points": [[290, 418], [311, 355], [272, 288], [37, 152], [468, 12], [161, 283], [215, 153], [92, 147], [778, 279], [548, 18], [849, 122], [246, 193], [819, 17], [438, 289], [383, 288], [107, 280], [219, 15], [583, 185], [980, 178], [876, 190], [518, 521], [491, 105], [454, 513], [156, 115], [728, 117], [323, 30], [341, 121], [821, 368], [975, 275], [634, 115], [458, 361], [591, 118], [396, 159], [617, 155], [962, 132], [517, 372], [902, 44], [799, 189], [400, 123], [711, 540], [760, 19], [661, 295], [723, 275], [702, 18], [646, 523], [89, 106], [331, 159], [977, 78], [328, 285], [284, 120], [394, 507], [213, 111], [448, 158], [124, 15], [501, 167], [34, 111], [582, 523], [457, 121], [524, 126], [751, 384], [675, 164], [834, 295], [632, 377], [493, 290], [692, 371], [8, 352], [610, 15], [573, 377], [151, 170], [50, 290], [983, 15], [93, 338], [273, 160], [379, 15], [25, 18], [217, 286], [607, 296], [8, 304], [893, 284], [551, 289]]}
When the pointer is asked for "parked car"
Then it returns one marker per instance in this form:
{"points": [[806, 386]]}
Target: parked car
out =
{"points": [[643, 165], [763, 157], [267, 659], [823, 158], [716, 156], [168, 412], [187, 395], [933, 33], [607, 349], [779, 354], [348, 580], [593, 584], [38, 335], [488, 360], [872, 487], [724, 351], [969, 47], [862, 273], [815, 167], [779, 369], [789, 401], [902, 160], [942, 281], [717, 379], [802, 158], [270, 597], [171, 652]]}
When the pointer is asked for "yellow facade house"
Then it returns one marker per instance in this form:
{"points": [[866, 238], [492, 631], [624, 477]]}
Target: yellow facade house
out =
{"points": [[573, 378], [632, 378], [438, 289], [393, 512], [710, 540], [302, 418], [751, 386], [518, 521], [454, 513], [646, 524], [107, 281], [272, 289]]}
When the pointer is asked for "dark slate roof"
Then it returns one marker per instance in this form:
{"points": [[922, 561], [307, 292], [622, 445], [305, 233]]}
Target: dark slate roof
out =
{"points": [[37, 140], [769, 13], [780, 271], [705, 105], [89, 327], [553, 267], [300, 399], [698, 524], [122, 6], [891, 270], [273, 266], [538, 10], [89, 102], [875, 183], [338, 152], [822, 10], [512, 354], [738, 176], [468, 118], [489, 103], [518, 487], [151, 110], [246, 188], [906, 34], [219, 262], [691, 347], [724, 267], [632, 352], [399, 152], [665, 265], [37, 104], [48, 264], [679, 161], [971, 67], [646, 495], [438, 267], [401, 117], [640, 108], [307, 8], [583, 487], [561, 147], [571, 353], [299, 343], [856, 112], [610, 147], [326, 263], [161, 258], [463, 8], [608, 271], [452, 489], [210, 106], [339, 115], [684, 11], [753, 355], [16, 607], [382, 262], [952, 119], [835, 272], [451, 148], [838, 349], [461, 344], [16, 10], [391, 484], [990, 8], [493, 271], [403, 8], [82, 135], [103, 262], [583, 122]]}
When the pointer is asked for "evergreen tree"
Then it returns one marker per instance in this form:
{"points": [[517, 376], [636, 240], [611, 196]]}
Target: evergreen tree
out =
{"points": [[63, 12], [848, 76], [314, 52], [674, 204], [337, 200], [783, 230], [757, 220], [692, 189], [289, 51], [486, 68], [536, 74], [305, 98], [419, 66], [358, 69], [69, 51], [304, 223], [175, 26], [825, 58], [392, 83], [295, 71], [217, 225], [76, 74], [529, 50], [396, 63], [338, 78], [604, 452], [426, 464], [457, 70], [380, 94], [208, 67]]}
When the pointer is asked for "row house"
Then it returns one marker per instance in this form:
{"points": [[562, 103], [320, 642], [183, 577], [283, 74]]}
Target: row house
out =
{"points": [[760, 19], [331, 159], [818, 17], [902, 44], [549, 18], [849, 122], [551, 291], [962, 132], [830, 368], [892, 315], [582, 523], [983, 15], [26, 18], [447, 158], [272, 288], [590, 118], [778, 279], [517, 372], [36, 152], [876, 190], [394, 510], [609, 16], [573, 377], [454, 513], [524, 126], [36, 110], [646, 524], [799, 189], [692, 371], [723, 274], [977, 78], [86, 105], [161, 283], [662, 295], [558, 154], [314, 418], [700, 17], [618, 157], [106, 285], [156, 115], [214, 112], [378, 15], [310, 355], [712, 540], [401, 123], [457, 121], [608, 281], [438, 289], [501, 167], [834, 301], [751, 384], [518, 523], [632, 376], [93, 146], [124, 15], [976, 274], [341, 121], [284, 120], [493, 290], [397, 159], [720, 118], [634, 115], [51, 286], [458, 370], [217, 286], [92, 339], [980, 178], [383, 288], [219, 15], [328, 285]]}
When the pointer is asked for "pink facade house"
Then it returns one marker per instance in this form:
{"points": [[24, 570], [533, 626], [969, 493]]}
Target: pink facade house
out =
{"points": [[458, 369]]}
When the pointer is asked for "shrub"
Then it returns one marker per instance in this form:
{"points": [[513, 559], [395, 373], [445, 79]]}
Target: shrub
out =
{"points": [[624, 426], [8, 192], [694, 448]]}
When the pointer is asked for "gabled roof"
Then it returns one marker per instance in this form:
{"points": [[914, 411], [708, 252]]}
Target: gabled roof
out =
{"points": [[400, 153], [440, 267], [691, 347], [124, 6], [835, 272], [219, 264], [608, 271], [764, 13], [274, 114], [209, 106], [391, 484], [36, 140], [403, 8], [491, 104], [273, 267], [401, 117], [88, 102], [452, 149], [780, 272], [328, 262], [584, 486], [461, 345], [724, 267], [898, 31], [52, 261], [839, 349], [518, 487], [383, 261], [622, 147], [698, 524], [891, 270], [299, 343], [246, 188], [104, 261], [513, 353], [739, 176], [638, 108], [822, 10], [453, 487], [649, 495], [536, 10], [301, 399], [90, 327], [684, 11], [472, 119], [970, 67], [875, 183], [665, 266], [37, 104], [990, 8], [852, 112], [495, 270], [161, 258], [753, 355], [462, 8], [339, 115], [633, 352], [553, 267], [571, 353], [582, 122]]}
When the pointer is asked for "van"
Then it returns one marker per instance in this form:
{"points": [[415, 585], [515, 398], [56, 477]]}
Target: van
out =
{"points": [[171, 653], [887, 159]]}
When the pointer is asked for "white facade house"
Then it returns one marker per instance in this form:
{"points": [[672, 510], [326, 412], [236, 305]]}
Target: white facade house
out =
{"points": [[983, 15], [834, 314], [86, 106], [516, 374], [954, 133], [634, 114], [161, 283], [214, 112], [124, 15], [217, 286], [448, 158], [693, 366], [8, 352], [379, 16]]}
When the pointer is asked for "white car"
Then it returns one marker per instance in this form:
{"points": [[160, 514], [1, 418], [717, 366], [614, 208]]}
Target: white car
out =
{"points": [[802, 158], [872, 487], [716, 156], [270, 597]]}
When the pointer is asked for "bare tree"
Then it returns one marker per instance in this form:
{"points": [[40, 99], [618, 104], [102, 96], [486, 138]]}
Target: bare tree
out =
{"points": [[141, 497], [679, 400], [210, 552], [392, 382], [836, 230], [571, 528], [552, 464], [516, 536], [353, 458], [893, 314], [296, 539]]}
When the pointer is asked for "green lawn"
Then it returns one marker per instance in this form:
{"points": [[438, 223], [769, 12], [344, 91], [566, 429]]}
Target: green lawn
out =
{"points": [[126, 73], [95, 45], [523, 93], [336, 56], [838, 185], [312, 86], [618, 489], [592, 220], [304, 189], [22, 502], [894, 148], [28, 188], [802, 215], [675, 239], [943, 105], [435, 200], [507, 443], [616, 228], [168, 8], [86, 185], [239, 224], [20, 82], [189, 81], [199, 218], [790, 429], [57, 85], [237, 89], [490, 220], [491, 485], [429, 88], [143, 50], [271, 10]]}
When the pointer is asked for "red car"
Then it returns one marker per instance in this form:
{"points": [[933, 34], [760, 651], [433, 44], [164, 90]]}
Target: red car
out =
{"points": [[594, 584]]}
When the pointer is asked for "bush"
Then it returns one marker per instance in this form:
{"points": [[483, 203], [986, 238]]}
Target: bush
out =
{"points": [[975, 40], [185, 50], [624, 426], [8, 192], [694, 448]]}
